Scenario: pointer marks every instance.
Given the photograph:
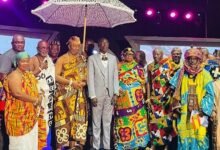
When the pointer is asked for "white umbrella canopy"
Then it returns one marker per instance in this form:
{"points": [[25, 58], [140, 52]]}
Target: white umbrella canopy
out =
{"points": [[99, 13], [82, 13]]}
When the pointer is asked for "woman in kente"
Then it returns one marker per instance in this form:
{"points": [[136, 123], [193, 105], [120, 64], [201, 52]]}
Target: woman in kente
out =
{"points": [[22, 106], [131, 129], [70, 105], [194, 91]]}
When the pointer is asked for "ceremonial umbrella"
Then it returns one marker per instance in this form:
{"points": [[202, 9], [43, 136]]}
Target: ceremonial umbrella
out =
{"points": [[82, 13]]}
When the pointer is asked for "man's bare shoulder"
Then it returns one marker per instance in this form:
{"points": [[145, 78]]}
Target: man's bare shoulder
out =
{"points": [[62, 58], [33, 59], [14, 75]]}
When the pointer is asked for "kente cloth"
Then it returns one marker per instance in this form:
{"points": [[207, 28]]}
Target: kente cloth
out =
{"points": [[160, 102], [21, 116], [46, 82], [71, 105], [131, 130], [192, 134]]}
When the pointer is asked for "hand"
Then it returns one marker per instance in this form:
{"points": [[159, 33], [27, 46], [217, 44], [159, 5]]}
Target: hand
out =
{"points": [[76, 85], [94, 102], [82, 84], [44, 65], [38, 101], [114, 99]]}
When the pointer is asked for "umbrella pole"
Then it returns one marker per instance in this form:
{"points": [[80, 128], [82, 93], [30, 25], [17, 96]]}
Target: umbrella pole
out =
{"points": [[84, 34], [84, 30]]}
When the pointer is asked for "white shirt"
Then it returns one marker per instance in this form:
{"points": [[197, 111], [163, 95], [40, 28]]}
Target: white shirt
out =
{"points": [[104, 62]]}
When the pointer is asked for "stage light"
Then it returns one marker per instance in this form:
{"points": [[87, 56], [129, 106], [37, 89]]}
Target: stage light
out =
{"points": [[173, 14], [44, 1], [149, 12], [188, 16], [4, 0]]}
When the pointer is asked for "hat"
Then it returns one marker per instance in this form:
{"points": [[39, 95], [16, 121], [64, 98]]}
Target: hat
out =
{"points": [[193, 52]]}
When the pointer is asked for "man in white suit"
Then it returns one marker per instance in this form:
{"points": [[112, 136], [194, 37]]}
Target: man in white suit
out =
{"points": [[103, 90]]}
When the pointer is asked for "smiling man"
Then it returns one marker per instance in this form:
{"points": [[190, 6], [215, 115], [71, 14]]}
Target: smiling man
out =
{"points": [[43, 68], [18, 43]]}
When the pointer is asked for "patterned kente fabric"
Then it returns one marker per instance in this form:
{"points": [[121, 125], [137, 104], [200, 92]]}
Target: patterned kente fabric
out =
{"points": [[159, 103], [192, 135], [71, 106], [21, 116], [131, 128]]}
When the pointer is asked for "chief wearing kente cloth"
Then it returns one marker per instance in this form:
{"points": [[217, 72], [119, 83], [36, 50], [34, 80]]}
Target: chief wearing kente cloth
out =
{"points": [[194, 91], [21, 110], [159, 100], [131, 129], [70, 105]]}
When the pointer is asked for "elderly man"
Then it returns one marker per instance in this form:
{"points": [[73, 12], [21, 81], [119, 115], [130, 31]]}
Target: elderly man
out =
{"points": [[176, 55], [159, 99], [18, 43], [71, 105], [194, 90], [22, 106], [43, 68], [103, 88]]}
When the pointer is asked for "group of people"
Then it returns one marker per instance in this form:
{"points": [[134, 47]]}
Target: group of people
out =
{"points": [[167, 104]]}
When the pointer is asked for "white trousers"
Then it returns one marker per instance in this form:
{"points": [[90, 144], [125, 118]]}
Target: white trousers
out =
{"points": [[28, 141], [102, 112]]}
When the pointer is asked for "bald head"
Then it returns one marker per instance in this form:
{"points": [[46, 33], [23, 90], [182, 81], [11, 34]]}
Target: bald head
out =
{"points": [[18, 43], [43, 48], [157, 54]]}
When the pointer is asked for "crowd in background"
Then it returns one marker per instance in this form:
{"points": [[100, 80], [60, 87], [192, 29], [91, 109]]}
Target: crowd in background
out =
{"points": [[82, 100]]}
